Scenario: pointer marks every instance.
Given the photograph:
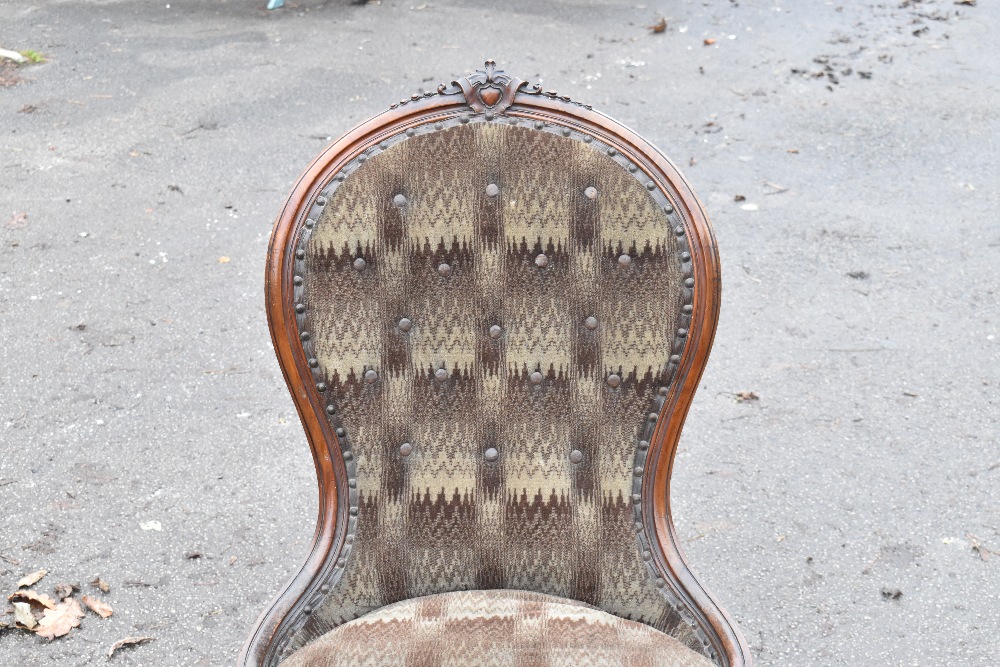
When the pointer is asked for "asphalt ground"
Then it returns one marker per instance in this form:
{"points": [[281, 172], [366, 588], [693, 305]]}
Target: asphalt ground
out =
{"points": [[847, 153]]}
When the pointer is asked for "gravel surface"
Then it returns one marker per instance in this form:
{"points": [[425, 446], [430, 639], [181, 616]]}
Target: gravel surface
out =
{"points": [[848, 155]]}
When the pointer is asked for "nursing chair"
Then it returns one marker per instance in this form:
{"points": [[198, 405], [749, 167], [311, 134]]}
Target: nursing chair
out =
{"points": [[492, 306]]}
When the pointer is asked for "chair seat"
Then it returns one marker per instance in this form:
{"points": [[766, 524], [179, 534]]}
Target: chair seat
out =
{"points": [[497, 628]]}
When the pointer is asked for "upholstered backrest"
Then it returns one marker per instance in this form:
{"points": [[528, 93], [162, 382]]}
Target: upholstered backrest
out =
{"points": [[482, 311]]}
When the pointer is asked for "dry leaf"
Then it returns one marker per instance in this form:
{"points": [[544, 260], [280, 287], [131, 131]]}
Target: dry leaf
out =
{"points": [[970, 3], [99, 607], [23, 615], [223, 260], [19, 221], [59, 621], [128, 641], [746, 396], [709, 41], [103, 585], [31, 579], [659, 26], [63, 591], [33, 597]]}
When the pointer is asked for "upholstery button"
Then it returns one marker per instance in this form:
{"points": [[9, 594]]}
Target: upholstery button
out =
{"points": [[399, 200], [576, 456], [492, 190], [590, 323], [491, 454], [624, 260], [360, 264], [405, 324], [444, 269], [370, 376], [495, 331], [541, 261], [405, 449], [441, 374], [536, 378], [591, 192], [614, 380]]}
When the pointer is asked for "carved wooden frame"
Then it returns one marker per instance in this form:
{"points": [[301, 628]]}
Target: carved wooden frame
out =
{"points": [[490, 92]]}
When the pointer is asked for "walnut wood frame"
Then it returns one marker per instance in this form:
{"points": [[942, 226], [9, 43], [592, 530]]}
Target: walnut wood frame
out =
{"points": [[478, 94]]}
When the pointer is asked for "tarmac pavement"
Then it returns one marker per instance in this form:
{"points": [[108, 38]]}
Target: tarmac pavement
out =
{"points": [[846, 152]]}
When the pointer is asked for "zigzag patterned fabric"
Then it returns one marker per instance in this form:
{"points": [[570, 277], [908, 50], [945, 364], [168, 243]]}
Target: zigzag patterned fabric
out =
{"points": [[494, 629], [473, 274]]}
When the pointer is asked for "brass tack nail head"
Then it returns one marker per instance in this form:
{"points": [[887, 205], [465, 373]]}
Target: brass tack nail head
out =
{"points": [[566, 132], [686, 256], [638, 471], [405, 449], [361, 160], [399, 200], [587, 138], [643, 444], [495, 331], [539, 125], [324, 589], [536, 378], [590, 192], [612, 152], [689, 282], [660, 583], [590, 323], [614, 380], [307, 610], [674, 358], [341, 432], [576, 456], [492, 190], [646, 555], [353, 511], [348, 456], [679, 231], [650, 186], [353, 483], [360, 264], [313, 363], [444, 269], [662, 391], [653, 416], [541, 261], [464, 119], [439, 125], [682, 332], [491, 454], [331, 409], [300, 308], [321, 386], [370, 376], [687, 308], [405, 324], [636, 498], [297, 280], [300, 254], [410, 132], [668, 209], [305, 335], [441, 374], [321, 201]]}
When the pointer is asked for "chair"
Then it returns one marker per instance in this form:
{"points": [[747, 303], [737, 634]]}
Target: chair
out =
{"points": [[492, 306]]}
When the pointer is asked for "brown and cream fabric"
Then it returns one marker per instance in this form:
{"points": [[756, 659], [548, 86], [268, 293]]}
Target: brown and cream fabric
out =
{"points": [[494, 629], [492, 309]]}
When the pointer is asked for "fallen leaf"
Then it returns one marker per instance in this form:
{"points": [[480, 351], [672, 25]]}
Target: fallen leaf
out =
{"points": [[101, 584], [223, 260], [891, 593], [746, 396], [658, 27], [31, 579], [23, 615], [63, 591], [739, 198], [709, 42], [33, 598], [793, 151], [970, 3], [19, 221], [59, 621], [128, 641], [99, 607]]}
